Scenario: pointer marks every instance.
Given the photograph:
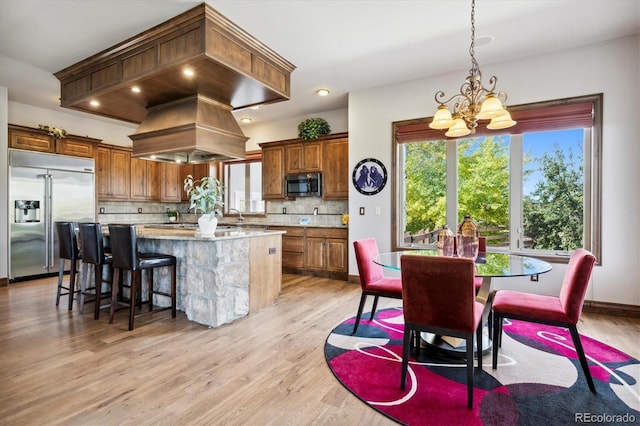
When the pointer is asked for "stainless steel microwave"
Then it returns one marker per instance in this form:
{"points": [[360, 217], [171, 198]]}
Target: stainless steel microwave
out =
{"points": [[303, 185]]}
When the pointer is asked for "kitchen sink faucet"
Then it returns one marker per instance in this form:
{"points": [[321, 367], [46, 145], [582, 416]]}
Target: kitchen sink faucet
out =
{"points": [[240, 217]]}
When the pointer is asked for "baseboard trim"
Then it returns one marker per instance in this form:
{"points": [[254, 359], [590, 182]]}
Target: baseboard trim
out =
{"points": [[4, 282], [611, 308], [354, 279]]}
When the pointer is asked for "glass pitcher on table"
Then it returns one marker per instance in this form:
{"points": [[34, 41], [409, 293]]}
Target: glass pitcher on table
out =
{"points": [[468, 238]]}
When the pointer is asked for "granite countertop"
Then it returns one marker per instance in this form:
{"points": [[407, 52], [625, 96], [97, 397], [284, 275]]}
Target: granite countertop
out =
{"points": [[191, 233]]}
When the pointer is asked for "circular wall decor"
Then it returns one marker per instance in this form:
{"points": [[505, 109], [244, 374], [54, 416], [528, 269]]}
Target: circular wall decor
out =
{"points": [[369, 176]]}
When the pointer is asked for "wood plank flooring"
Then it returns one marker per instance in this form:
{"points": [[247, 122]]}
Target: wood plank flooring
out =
{"points": [[60, 367]]}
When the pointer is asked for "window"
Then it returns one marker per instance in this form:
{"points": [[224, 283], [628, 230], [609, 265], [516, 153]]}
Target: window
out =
{"points": [[534, 190], [243, 186]]}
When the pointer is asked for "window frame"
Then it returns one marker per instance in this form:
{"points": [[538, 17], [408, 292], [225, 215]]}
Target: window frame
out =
{"points": [[592, 172], [251, 157]]}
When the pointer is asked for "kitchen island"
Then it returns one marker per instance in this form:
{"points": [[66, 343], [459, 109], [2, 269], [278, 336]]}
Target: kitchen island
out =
{"points": [[220, 278]]}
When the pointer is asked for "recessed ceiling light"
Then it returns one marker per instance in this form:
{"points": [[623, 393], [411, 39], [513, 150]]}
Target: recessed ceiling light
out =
{"points": [[255, 107], [483, 40], [94, 103], [246, 120], [188, 72], [135, 89], [322, 92]]}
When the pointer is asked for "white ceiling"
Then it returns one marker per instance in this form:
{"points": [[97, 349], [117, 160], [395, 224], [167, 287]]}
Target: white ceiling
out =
{"points": [[343, 45]]}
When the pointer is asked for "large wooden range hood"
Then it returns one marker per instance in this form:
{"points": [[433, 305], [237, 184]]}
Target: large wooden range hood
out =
{"points": [[181, 118]]}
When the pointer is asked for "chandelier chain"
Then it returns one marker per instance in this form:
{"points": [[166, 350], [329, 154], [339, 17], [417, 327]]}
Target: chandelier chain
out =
{"points": [[475, 68], [474, 101]]}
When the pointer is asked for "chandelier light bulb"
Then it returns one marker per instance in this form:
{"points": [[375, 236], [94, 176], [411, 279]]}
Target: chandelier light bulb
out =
{"points": [[458, 129], [503, 121], [442, 118], [491, 107]]}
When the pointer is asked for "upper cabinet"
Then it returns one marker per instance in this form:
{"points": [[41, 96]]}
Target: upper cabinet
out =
{"points": [[39, 140], [113, 168], [303, 157], [336, 169], [273, 172], [328, 154], [169, 187], [144, 180], [198, 171]]}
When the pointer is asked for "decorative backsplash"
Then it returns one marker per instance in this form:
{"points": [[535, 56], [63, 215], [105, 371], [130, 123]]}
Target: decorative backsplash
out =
{"points": [[318, 212]]}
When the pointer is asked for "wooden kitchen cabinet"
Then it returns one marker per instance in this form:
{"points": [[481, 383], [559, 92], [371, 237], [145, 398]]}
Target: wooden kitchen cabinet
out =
{"points": [[76, 147], [144, 180], [273, 173], [293, 245], [112, 173], [303, 157], [198, 171], [169, 177], [31, 139], [329, 154], [336, 169], [327, 250]]}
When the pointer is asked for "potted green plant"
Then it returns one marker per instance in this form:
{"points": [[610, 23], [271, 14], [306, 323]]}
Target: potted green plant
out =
{"points": [[173, 215], [311, 128], [206, 195]]}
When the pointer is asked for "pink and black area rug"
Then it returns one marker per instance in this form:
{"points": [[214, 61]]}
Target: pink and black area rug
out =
{"points": [[538, 380]]}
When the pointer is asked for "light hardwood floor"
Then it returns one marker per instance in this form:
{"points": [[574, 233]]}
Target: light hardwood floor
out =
{"points": [[59, 367]]}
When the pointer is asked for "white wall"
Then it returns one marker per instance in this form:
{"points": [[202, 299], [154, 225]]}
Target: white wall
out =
{"points": [[4, 171], [109, 131], [611, 68], [288, 129]]}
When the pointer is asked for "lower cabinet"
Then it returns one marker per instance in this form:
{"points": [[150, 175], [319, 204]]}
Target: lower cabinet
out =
{"points": [[315, 251], [326, 249], [293, 248]]}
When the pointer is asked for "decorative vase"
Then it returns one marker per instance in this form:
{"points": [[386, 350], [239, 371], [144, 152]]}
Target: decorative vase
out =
{"points": [[468, 238], [445, 241], [207, 224]]}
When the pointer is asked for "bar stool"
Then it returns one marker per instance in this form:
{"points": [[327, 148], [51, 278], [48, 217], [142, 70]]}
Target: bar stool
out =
{"points": [[124, 247], [94, 253], [67, 250]]}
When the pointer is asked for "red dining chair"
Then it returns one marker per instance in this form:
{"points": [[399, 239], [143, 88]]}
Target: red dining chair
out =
{"points": [[562, 311], [372, 279], [438, 296]]}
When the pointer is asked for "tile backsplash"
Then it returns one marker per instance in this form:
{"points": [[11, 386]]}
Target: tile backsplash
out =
{"points": [[318, 211]]}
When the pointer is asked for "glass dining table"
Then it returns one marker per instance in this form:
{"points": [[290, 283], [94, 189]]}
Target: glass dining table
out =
{"points": [[489, 265]]}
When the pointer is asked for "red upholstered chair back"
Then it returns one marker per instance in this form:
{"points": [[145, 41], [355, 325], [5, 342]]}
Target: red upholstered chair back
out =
{"points": [[574, 285], [438, 291], [367, 250]]}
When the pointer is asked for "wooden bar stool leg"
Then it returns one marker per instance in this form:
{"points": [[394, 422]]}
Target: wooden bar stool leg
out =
{"points": [[173, 291], [135, 283], [83, 285], [117, 282], [72, 283], [97, 273], [60, 278], [150, 285]]}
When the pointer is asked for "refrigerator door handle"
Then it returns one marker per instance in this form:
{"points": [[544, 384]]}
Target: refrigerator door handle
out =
{"points": [[48, 225]]}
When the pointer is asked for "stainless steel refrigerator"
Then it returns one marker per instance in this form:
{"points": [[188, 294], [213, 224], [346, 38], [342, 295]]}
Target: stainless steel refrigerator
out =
{"points": [[44, 189]]}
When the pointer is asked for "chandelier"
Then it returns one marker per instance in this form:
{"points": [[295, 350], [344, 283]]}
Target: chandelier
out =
{"points": [[473, 103]]}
